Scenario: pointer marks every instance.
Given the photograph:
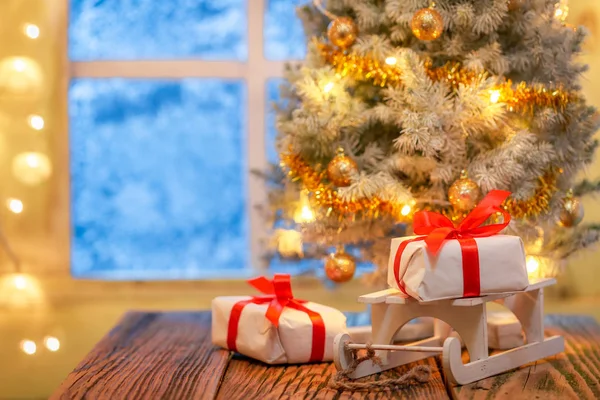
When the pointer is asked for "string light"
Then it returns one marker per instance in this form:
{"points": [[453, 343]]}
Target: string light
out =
{"points": [[52, 343], [32, 168], [20, 290], [561, 10], [36, 122], [20, 282], [20, 76], [15, 205], [494, 96], [28, 347], [391, 61], [32, 31], [304, 213], [405, 210], [19, 64], [533, 264], [521, 97], [328, 87]]}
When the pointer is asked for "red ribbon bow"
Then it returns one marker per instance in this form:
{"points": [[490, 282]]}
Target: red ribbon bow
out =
{"points": [[439, 228], [278, 294]]}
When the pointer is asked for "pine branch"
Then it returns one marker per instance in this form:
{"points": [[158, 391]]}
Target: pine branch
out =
{"points": [[587, 187]]}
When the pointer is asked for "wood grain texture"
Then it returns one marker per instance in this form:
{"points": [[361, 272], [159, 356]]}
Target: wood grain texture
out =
{"points": [[170, 356], [574, 374], [247, 379], [150, 356]]}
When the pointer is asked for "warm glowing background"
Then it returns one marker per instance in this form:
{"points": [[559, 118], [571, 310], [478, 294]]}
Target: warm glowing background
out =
{"points": [[58, 313]]}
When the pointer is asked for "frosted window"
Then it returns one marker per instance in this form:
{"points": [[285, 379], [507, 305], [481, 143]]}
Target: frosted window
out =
{"points": [[158, 29], [158, 178], [273, 86], [284, 35]]}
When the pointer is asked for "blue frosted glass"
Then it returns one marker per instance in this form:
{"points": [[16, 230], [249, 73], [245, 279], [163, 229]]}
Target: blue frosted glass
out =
{"points": [[157, 29], [158, 178], [284, 35], [273, 98]]}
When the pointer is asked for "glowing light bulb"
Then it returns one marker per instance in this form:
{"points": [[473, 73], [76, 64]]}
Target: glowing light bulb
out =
{"points": [[28, 346], [405, 210], [15, 205], [52, 343], [19, 64], [20, 282], [31, 31], [36, 122], [20, 76], [494, 96], [31, 168], [32, 160], [306, 214], [533, 264], [561, 10], [391, 61], [328, 86]]}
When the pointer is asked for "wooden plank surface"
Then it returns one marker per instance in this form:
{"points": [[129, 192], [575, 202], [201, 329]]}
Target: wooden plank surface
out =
{"points": [[170, 356], [574, 374], [150, 356], [246, 379]]}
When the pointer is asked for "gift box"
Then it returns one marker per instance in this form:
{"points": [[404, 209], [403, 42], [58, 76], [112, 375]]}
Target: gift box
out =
{"points": [[467, 260], [275, 327]]}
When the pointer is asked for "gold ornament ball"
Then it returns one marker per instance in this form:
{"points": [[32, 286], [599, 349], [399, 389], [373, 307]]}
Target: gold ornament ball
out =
{"points": [[427, 24], [514, 5], [572, 212], [341, 169], [464, 194], [340, 267], [342, 32]]}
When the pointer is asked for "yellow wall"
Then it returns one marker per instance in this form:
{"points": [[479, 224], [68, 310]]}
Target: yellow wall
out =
{"points": [[38, 234], [583, 273]]}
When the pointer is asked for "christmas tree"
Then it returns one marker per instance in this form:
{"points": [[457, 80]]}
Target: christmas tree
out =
{"points": [[407, 105]]}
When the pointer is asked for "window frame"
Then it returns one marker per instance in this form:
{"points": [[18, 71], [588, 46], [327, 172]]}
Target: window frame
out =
{"points": [[255, 72]]}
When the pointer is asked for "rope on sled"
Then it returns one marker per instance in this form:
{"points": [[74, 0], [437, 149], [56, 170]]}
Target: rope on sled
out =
{"points": [[419, 374]]}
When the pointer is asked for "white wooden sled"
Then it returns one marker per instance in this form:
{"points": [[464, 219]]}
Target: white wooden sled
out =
{"points": [[390, 311]]}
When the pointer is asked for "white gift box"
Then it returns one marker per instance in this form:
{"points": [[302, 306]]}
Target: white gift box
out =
{"points": [[430, 277], [258, 338]]}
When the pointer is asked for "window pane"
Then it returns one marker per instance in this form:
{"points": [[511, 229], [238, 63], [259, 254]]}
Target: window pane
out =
{"points": [[284, 35], [273, 86], [150, 29], [158, 178]]}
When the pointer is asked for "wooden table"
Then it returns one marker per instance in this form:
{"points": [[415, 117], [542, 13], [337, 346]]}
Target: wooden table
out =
{"points": [[170, 356]]}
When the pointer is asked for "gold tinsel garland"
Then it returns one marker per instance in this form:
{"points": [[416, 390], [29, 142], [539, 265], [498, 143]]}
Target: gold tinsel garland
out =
{"points": [[327, 198], [520, 97], [538, 203], [324, 197]]}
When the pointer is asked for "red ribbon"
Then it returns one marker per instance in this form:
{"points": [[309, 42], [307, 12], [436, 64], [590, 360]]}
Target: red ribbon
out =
{"points": [[439, 229], [278, 294]]}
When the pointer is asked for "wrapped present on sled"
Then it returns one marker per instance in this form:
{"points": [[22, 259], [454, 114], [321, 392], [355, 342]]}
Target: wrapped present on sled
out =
{"points": [[449, 273]]}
